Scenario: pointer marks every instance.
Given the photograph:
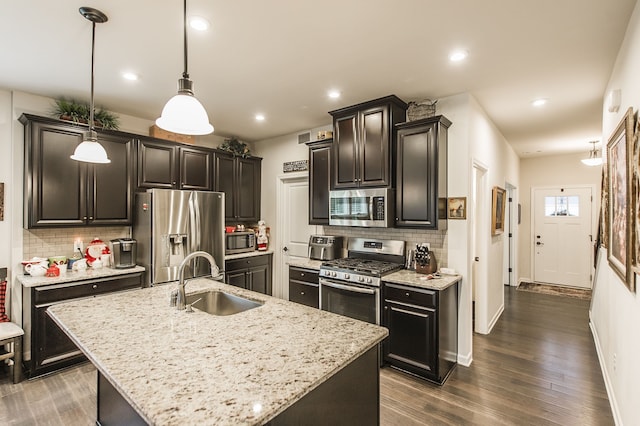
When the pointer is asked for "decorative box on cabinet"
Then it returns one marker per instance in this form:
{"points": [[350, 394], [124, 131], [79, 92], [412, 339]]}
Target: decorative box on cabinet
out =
{"points": [[364, 136], [60, 191], [319, 181], [163, 164], [304, 286], [423, 330], [421, 173], [239, 179], [251, 272], [51, 348]]}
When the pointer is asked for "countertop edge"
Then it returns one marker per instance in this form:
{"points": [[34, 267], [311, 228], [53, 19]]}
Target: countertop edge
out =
{"points": [[74, 276]]}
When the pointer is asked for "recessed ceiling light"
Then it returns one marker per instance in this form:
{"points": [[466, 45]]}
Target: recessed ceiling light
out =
{"points": [[260, 117], [199, 23], [458, 55], [130, 76], [334, 94], [539, 102]]}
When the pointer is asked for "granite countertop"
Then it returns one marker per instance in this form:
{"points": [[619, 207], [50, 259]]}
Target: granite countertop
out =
{"points": [[247, 254], [71, 276], [303, 262], [180, 368], [411, 278]]}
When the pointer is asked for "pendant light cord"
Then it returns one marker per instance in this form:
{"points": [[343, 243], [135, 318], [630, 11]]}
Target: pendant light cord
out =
{"points": [[185, 74], [93, 48]]}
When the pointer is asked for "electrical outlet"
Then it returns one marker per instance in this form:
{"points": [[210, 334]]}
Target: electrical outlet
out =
{"points": [[77, 246]]}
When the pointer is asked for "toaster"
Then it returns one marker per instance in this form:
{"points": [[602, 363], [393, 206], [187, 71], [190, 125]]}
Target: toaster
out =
{"points": [[325, 247]]}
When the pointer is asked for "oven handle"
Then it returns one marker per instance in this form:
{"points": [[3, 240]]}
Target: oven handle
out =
{"points": [[346, 287]]}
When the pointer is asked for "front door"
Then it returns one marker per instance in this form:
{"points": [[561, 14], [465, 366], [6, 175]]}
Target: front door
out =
{"points": [[562, 239]]}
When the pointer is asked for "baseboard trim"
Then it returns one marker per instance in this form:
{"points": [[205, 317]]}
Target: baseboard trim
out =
{"points": [[605, 375], [495, 318], [524, 280], [465, 360]]}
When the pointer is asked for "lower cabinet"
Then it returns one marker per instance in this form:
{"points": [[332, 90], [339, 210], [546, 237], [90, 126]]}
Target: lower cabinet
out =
{"points": [[423, 330], [303, 286], [252, 273], [51, 348]]}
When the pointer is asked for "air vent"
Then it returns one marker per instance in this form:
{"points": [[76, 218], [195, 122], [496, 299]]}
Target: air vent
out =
{"points": [[304, 137]]}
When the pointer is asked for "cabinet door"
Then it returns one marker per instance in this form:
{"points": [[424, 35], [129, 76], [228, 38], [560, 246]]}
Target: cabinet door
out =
{"points": [[195, 169], [373, 160], [52, 344], [259, 279], [111, 185], [304, 293], [411, 344], [247, 190], [237, 278], [345, 152], [224, 181], [319, 183], [157, 164], [55, 185]]}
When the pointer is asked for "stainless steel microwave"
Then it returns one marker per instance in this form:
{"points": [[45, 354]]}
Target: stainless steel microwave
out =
{"points": [[240, 242], [371, 207]]}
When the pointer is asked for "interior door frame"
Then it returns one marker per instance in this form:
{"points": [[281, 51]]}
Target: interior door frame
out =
{"points": [[594, 197], [479, 231], [281, 271]]}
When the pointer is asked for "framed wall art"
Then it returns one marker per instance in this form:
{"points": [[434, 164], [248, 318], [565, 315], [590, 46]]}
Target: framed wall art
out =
{"points": [[635, 205], [620, 183], [497, 210], [457, 208]]}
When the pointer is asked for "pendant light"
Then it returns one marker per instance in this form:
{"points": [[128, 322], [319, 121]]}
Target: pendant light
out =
{"points": [[90, 150], [595, 159], [184, 113]]}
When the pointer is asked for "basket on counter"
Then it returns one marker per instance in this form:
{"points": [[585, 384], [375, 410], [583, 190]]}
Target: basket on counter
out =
{"points": [[421, 109]]}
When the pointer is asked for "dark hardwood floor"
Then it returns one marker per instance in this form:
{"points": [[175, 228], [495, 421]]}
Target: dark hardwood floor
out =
{"points": [[537, 367]]}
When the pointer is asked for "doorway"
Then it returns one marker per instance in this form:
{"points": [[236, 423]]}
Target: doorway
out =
{"points": [[292, 211], [562, 235], [479, 235]]}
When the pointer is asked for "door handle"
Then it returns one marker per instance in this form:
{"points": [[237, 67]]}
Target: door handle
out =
{"points": [[285, 249]]}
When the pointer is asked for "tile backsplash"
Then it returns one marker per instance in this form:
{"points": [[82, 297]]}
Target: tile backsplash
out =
{"points": [[411, 237], [59, 241]]}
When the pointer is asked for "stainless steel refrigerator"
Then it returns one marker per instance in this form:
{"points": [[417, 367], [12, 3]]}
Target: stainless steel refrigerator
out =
{"points": [[171, 224]]}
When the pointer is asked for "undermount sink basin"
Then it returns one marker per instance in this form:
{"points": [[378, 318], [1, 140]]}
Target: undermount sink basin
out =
{"points": [[220, 303]]}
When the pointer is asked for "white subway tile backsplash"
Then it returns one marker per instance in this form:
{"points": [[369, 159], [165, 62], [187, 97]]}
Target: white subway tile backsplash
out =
{"points": [[54, 242]]}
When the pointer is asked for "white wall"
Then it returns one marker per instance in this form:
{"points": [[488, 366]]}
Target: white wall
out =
{"points": [[615, 313], [557, 170]]}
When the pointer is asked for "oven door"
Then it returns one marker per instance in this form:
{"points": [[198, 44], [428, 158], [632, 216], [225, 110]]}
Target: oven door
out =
{"points": [[351, 300]]}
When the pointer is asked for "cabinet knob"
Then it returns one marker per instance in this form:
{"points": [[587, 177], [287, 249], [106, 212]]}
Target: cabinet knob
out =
{"points": [[302, 274], [90, 217], [173, 183], [302, 293], [95, 286], [407, 294], [84, 218]]}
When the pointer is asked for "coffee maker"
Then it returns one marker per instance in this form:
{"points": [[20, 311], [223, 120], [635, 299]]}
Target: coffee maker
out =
{"points": [[123, 253]]}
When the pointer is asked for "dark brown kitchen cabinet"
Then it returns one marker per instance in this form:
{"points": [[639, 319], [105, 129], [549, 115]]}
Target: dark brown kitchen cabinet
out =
{"points": [[163, 164], [421, 173], [364, 137], [251, 272], [62, 192], [423, 330], [319, 181], [304, 286], [239, 178], [51, 348]]}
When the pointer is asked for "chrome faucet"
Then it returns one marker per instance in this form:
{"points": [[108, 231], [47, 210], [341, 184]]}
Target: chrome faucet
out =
{"points": [[215, 271]]}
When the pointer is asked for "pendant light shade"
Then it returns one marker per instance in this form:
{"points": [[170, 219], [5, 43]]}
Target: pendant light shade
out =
{"points": [[594, 156], [90, 150], [184, 113]]}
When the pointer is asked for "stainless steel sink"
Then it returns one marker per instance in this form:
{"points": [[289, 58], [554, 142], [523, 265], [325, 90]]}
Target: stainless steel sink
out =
{"points": [[220, 303]]}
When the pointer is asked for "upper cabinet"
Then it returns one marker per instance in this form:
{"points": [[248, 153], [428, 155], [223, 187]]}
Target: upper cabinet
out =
{"points": [[239, 179], [364, 137], [319, 181], [421, 173], [60, 191], [172, 166]]}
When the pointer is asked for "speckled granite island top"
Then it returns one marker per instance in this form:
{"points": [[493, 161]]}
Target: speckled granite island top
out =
{"points": [[178, 368]]}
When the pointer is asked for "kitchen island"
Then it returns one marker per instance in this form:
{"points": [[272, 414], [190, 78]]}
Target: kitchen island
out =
{"points": [[278, 363]]}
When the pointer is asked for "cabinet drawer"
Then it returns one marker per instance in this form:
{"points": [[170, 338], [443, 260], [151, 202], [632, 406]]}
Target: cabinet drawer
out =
{"points": [[246, 262], [414, 296], [74, 290], [304, 293], [306, 275]]}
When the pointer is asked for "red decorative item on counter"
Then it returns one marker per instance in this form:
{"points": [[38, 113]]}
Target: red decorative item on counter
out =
{"points": [[3, 295], [53, 271], [95, 249]]}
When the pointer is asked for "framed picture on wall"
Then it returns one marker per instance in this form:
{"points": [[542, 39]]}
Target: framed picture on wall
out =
{"points": [[635, 205], [457, 208], [620, 183], [497, 210]]}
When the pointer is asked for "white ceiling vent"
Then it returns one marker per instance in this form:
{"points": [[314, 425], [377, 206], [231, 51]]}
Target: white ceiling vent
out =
{"points": [[304, 137]]}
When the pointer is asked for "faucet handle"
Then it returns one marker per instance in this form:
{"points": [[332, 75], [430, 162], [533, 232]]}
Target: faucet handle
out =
{"points": [[173, 298]]}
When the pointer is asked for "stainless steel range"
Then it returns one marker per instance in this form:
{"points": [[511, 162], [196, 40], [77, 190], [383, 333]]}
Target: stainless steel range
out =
{"points": [[351, 286]]}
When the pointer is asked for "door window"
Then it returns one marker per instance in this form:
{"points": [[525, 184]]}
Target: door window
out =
{"points": [[562, 206]]}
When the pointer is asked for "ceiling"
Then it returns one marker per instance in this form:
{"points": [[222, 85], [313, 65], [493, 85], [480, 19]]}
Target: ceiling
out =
{"points": [[281, 57]]}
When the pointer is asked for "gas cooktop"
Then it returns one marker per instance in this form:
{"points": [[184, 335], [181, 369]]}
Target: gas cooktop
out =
{"points": [[376, 268]]}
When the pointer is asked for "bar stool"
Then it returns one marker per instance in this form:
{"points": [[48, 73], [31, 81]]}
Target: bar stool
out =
{"points": [[11, 333]]}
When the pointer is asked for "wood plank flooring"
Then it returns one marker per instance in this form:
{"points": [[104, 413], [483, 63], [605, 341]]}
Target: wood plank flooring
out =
{"points": [[537, 367]]}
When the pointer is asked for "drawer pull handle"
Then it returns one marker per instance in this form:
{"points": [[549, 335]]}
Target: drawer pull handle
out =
{"points": [[302, 274], [407, 294], [302, 293], [94, 286]]}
